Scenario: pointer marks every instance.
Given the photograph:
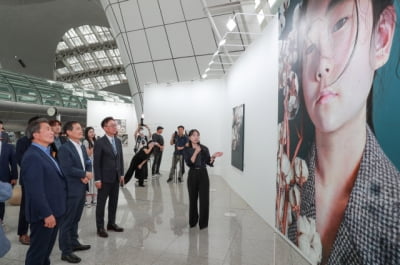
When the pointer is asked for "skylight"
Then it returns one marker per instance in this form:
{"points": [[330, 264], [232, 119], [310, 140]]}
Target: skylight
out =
{"points": [[88, 57]]}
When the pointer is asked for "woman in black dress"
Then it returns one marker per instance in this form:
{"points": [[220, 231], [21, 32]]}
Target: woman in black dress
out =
{"points": [[139, 164], [197, 157]]}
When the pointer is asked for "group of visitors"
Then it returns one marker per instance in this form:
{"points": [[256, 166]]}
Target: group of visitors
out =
{"points": [[62, 168]]}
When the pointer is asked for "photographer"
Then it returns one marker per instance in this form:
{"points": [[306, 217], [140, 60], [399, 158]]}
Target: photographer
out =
{"points": [[141, 138], [179, 139]]}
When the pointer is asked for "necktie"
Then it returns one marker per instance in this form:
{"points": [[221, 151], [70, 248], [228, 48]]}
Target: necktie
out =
{"points": [[114, 146]]}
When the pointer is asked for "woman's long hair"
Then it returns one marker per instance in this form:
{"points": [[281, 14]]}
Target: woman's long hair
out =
{"points": [[90, 141]]}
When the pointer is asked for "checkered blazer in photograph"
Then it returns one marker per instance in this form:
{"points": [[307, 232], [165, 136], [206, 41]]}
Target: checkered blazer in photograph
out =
{"points": [[370, 230]]}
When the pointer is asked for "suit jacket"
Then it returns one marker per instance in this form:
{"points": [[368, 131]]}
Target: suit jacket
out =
{"points": [[107, 166], [370, 230], [71, 166], [8, 163], [23, 144], [53, 148], [45, 186]]}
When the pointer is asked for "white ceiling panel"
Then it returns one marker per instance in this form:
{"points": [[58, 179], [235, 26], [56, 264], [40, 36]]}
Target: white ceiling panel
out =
{"points": [[203, 62], [132, 16], [165, 71], [151, 14], [131, 79], [179, 39], [193, 9], [217, 2], [202, 36], [114, 16], [112, 1], [171, 11], [138, 43], [121, 40], [158, 43], [145, 73], [220, 22], [187, 69]]}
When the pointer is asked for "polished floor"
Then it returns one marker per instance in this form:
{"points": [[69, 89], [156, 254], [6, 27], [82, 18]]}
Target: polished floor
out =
{"points": [[155, 219]]}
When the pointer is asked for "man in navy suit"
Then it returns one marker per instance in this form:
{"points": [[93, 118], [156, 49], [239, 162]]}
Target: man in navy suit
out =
{"points": [[76, 167], [23, 144], [108, 164], [8, 168], [45, 193]]}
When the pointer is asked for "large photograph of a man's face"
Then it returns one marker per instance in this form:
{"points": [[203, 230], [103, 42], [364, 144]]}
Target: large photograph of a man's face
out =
{"points": [[337, 182]]}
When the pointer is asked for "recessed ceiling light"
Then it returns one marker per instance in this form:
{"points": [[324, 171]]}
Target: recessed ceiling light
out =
{"points": [[231, 24], [260, 16]]}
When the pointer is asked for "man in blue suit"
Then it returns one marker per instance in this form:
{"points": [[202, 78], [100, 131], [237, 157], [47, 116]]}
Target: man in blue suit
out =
{"points": [[45, 193], [8, 168], [76, 167]]}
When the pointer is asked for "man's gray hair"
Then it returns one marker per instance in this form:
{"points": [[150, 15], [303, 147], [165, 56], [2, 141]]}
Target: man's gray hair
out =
{"points": [[34, 127]]}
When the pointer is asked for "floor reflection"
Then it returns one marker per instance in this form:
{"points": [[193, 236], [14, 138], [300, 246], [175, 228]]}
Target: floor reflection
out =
{"points": [[155, 219]]}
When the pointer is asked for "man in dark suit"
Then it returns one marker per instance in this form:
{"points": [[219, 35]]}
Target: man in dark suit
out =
{"points": [[76, 167], [8, 168], [23, 144], [45, 192], [108, 164]]}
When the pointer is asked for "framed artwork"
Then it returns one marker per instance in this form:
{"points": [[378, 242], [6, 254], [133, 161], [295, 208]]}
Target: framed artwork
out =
{"points": [[237, 144], [122, 132]]}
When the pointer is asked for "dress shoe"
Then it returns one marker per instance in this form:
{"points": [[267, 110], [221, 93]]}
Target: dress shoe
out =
{"points": [[102, 233], [25, 240], [115, 228], [71, 258], [141, 185], [169, 180], [80, 247], [180, 180]]}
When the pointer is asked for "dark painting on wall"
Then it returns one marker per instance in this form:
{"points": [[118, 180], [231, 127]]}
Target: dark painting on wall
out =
{"points": [[238, 137]]}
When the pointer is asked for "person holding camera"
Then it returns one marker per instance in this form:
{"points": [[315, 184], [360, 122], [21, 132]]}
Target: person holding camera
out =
{"points": [[179, 139], [141, 139]]}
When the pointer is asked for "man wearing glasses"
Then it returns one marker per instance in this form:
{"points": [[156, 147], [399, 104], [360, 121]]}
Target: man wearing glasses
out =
{"points": [[108, 168]]}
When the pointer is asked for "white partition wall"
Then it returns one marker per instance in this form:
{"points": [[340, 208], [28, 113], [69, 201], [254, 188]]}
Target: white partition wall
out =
{"points": [[253, 81], [98, 110], [197, 104]]}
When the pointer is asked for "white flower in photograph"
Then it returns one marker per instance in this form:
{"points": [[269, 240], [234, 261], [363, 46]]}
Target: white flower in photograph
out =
{"points": [[300, 171], [309, 240], [286, 169], [294, 197]]}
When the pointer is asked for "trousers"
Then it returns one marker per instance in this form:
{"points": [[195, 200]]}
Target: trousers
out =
{"points": [[199, 189]]}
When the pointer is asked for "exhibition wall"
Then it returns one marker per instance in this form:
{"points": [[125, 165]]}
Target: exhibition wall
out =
{"points": [[208, 106], [195, 105], [98, 110], [253, 81]]}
